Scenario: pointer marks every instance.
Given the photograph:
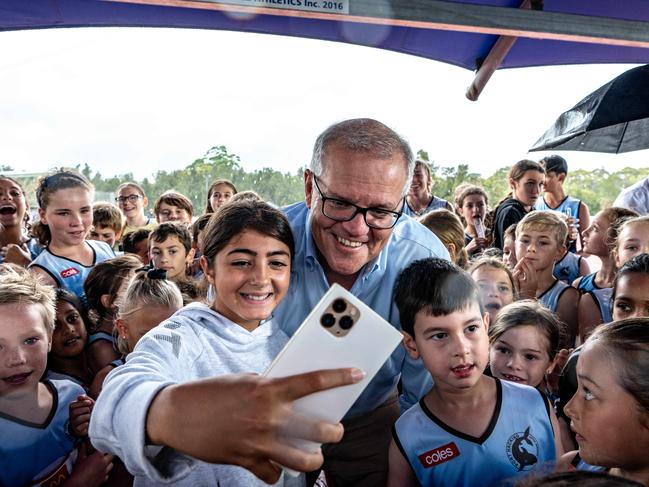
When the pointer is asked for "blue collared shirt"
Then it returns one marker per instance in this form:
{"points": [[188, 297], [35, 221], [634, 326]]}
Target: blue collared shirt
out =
{"points": [[374, 286]]}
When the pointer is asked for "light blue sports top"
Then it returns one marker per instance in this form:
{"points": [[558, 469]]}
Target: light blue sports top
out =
{"points": [[435, 204], [568, 203], [33, 453], [550, 297], [567, 269], [603, 299], [587, 283], [70, 274], [519, 439], [409, 241]]}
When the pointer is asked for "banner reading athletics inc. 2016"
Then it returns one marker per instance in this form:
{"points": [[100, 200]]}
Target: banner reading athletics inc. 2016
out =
{"points": [[330, 6], [319, 6]]}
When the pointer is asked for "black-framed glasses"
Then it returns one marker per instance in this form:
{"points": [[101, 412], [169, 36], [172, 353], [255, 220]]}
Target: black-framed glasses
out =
{"points": [[131, 198], [344, 211]]}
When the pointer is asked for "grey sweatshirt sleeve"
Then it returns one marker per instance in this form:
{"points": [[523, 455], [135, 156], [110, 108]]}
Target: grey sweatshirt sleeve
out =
{"points": [[118, 419]]}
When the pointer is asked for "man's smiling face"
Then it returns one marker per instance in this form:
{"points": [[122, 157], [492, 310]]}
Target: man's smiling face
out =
{"points": [[366, 181]]}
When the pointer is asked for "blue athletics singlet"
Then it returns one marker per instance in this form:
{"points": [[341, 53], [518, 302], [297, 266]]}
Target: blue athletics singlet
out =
{"points": [[567, 269], [435, 204], [519, 439], [70, 274], [40, 454], [550, 297]]}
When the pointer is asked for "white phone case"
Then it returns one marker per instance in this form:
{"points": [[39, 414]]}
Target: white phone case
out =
{"points": [[366, 345]]}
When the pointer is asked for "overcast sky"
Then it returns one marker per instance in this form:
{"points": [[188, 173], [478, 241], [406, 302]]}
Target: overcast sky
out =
{"points": [[142, 100]]}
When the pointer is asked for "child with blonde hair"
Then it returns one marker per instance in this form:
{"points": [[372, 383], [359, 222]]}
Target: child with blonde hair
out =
{"points": [[540, 242], [147, 300], [596, 288], [40, 430], [448, 228], [632, 239]]}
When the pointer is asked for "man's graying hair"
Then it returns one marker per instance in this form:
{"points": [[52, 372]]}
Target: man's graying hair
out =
{"points": [[363, 135]]}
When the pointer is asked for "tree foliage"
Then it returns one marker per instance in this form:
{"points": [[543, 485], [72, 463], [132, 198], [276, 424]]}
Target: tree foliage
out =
{"points": [[598, 187]]}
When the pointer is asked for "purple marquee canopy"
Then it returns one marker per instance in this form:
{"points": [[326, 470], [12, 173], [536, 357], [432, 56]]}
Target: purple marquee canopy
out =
{"points": [[490, 34]]}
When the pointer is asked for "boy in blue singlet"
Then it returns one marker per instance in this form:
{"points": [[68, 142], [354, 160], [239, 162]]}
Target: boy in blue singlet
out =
{"points": [[470, 429], [41, 421], [556, 199], [540, 240]]}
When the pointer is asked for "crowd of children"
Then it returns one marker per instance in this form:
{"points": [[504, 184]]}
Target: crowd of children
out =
{"points": [[91, 285]]}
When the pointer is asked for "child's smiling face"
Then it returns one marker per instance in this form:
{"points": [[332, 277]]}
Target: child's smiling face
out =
{"points": [[70, 335], [250, 276], [24, 343], [520, 355]]}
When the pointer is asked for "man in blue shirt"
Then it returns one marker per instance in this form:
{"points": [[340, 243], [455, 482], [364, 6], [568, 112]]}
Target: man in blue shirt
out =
{"points": [[350, 231]]}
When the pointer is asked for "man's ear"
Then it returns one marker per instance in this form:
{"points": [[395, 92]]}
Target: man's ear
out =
{"points": [[190, 255], [207, 271], [308, 187], [410, 345], [561, 177]]}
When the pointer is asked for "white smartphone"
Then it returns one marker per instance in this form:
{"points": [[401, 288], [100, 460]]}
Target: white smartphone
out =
{"points": [[341, 331]]}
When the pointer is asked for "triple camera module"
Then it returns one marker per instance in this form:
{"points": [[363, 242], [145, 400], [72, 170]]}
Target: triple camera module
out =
{"points": [[339, 317]]}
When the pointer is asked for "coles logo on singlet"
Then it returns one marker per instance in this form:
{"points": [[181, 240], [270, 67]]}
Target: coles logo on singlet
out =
{"points": [[439, 455], [69, 272]]}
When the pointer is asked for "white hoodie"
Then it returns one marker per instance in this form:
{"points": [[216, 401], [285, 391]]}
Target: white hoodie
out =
{"points": [[195, 343]]}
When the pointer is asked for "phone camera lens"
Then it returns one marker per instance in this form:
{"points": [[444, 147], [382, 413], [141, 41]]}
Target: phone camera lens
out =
{"points": [[339, 305], [346, 322], [328, 320]]}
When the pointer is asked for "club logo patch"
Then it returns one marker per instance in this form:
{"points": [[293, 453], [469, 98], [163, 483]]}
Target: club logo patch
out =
{"points": [[439, 455], [69, 272], [523, 450]]}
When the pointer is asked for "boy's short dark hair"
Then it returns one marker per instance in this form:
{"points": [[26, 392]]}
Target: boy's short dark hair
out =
{"points": [[434, 286], [107, 215], [173, 198], [554, 163], [130, 241], [171, 229]]}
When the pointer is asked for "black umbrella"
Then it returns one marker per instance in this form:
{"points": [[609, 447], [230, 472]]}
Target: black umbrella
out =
{"points": [[614, 118]]}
